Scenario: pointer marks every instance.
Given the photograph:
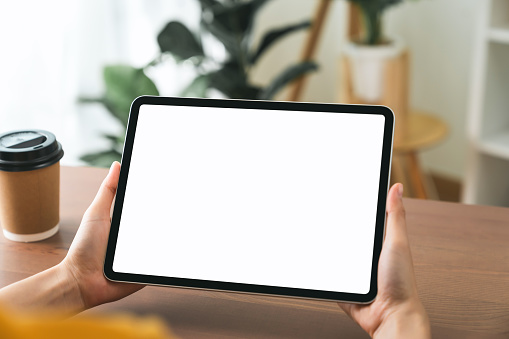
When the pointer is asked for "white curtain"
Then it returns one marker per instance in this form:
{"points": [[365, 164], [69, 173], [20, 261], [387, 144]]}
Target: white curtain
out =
{"points": [[53, 52]]}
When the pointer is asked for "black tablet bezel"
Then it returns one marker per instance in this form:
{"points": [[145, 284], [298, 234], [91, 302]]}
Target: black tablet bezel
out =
{"points": [[239, 287]]}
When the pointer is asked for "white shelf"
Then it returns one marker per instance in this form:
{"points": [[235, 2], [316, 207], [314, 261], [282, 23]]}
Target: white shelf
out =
{"points": [[496, 145], [487, 174], [499, 35]]}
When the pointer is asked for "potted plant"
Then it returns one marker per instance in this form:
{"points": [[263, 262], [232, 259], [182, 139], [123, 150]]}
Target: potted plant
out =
{"points": [[369, 49], [231, 23]]}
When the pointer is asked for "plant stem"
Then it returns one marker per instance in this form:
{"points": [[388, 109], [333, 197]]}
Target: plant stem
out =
{"points": [[373, 21]]}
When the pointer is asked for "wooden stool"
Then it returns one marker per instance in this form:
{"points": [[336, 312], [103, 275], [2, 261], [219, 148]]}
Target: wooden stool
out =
{"points": [[423, 131]]}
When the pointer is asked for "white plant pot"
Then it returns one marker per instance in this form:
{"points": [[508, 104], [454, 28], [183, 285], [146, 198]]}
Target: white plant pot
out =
{"points": [[367, 67]]}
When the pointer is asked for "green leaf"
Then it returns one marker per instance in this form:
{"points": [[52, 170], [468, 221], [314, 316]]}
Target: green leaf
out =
{"points": [[231, 81], [371, 12], [117, 141], [231, 23], [208, 3], [223, 35], [287, 76], [197, 88], [86, 100], [274, 35], [378, 5], [112, 138], [237, 16], [111, 108], [178, 40], [102, 159], [228, 78], [124, 84]]}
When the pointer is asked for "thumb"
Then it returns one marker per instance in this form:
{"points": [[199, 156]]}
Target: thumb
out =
{"points": [[396, 221], [100, 207]]}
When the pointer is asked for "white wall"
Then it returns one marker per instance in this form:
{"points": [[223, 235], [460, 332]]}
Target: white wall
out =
{"points": [[439, 34]]}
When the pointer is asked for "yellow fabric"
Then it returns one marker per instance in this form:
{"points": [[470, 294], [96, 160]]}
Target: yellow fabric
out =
{"points": [[20, 326]]}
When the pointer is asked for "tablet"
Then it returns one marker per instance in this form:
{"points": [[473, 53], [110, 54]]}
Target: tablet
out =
{"points": [[275, 198]]}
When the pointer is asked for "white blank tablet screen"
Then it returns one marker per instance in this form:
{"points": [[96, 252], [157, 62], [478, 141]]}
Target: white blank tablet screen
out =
{"points": [[265, 197]]}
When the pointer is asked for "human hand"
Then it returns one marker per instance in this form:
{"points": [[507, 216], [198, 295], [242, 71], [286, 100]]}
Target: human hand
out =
{"points": [[397, 311], [83, 265]]}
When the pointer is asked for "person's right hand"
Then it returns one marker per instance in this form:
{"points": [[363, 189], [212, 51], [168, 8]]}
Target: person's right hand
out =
{"points": [[397, 311], [85, 259]]}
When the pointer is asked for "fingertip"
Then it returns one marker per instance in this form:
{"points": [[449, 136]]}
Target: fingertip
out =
{"points": [[399, 189], [395, 211], [114, 166], [395, 206], [113, 173], [108, 189], [395, 195]]}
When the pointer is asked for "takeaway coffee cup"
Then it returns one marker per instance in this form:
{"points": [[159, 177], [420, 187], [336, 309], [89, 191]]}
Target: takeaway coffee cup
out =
{"points": [[29, 184]]}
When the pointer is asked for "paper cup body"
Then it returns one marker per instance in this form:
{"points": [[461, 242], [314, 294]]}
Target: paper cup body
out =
{"points": [[29, 185]]}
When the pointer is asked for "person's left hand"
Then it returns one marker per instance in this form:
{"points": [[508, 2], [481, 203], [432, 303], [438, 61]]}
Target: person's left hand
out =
{"points": [[84, 261]]}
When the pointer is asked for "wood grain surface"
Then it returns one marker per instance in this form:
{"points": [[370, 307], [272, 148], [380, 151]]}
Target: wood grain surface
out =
{"points": [[460, 252]]}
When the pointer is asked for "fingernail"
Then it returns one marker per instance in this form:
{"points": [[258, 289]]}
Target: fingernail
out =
{"points": [[400, 190], [111, 167]]}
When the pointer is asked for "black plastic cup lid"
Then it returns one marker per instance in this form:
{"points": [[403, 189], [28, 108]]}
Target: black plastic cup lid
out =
{"points": [[28, 150]]}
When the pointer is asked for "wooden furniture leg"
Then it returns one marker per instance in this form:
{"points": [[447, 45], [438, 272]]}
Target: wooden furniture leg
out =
{"points": [[310, 47], [416, 175], [398, 174]]}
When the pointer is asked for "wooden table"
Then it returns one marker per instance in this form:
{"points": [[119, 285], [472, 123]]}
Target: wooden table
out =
{"points": [[461, 256]]}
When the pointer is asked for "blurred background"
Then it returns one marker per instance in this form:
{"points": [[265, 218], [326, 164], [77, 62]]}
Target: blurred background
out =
{"points": [[70, 66]]}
